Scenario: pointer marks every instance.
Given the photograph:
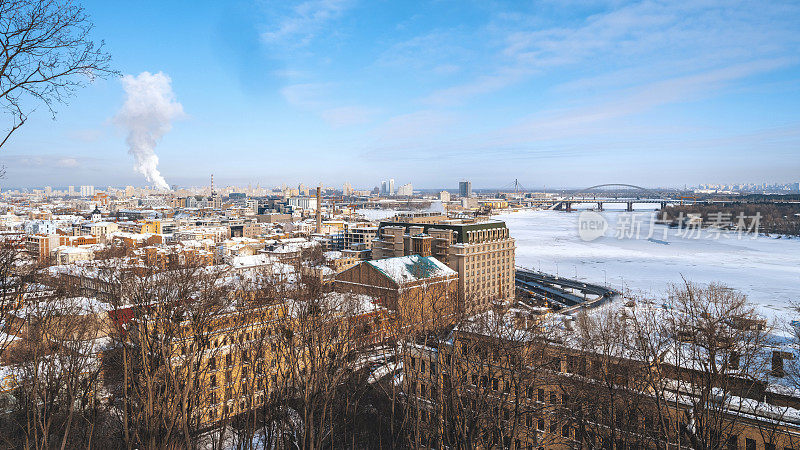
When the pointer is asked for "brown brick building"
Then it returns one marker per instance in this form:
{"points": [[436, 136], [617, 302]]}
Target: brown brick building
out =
{"points": [[421, 289]]}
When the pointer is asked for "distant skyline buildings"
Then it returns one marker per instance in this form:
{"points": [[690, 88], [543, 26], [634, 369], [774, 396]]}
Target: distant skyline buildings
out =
{"points": [[349, 189], [434, 91]]}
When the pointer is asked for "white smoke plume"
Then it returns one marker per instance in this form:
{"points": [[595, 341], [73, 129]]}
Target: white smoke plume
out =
{"points": [[147, 115]]}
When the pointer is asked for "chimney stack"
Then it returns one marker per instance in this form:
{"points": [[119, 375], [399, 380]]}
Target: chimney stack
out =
{"points": [[319, 209]]}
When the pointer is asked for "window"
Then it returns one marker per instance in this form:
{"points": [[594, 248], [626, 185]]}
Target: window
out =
{"points": [[769, 446], [750, 444], [553, 398], [541, 395], [213, 381], [733, 442], [540, 424], [565, 431]]}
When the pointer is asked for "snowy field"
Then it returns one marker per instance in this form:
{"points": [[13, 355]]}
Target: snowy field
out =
{"points": [[766, 269]]}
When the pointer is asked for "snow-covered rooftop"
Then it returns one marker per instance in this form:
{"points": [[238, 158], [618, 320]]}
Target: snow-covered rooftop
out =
{"points": [[407, 269]]}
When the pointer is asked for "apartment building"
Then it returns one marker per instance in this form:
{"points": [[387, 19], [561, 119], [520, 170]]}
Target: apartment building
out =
{"points": [[358, 237], [39, 246], [532, 394], [482, 253], [245, 365]]}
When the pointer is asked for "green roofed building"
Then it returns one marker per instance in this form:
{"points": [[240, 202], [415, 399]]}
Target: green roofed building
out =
{"points": [[482, 253]]}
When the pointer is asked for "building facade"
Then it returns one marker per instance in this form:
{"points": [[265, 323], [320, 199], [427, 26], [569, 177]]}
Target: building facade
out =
{"points": [[482, 253]]}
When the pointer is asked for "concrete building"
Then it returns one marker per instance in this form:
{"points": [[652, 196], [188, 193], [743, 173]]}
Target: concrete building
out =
{"points": [[87, 191], [444, 196], [481, 252], [391, 186], [465, 189], [303, 202], [406, 190], [39, 246]]}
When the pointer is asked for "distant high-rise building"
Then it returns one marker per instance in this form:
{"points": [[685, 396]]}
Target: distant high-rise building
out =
{"points": [[70, 190], [384, 188], [87, 191], [48, 190], [444, 196], [347, 189], [391, 186], [465, 189], [405, 190]]}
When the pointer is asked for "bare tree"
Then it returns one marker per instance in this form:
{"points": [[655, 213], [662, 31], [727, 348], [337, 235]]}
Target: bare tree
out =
{"points": [[47, 53], [705, 351]]}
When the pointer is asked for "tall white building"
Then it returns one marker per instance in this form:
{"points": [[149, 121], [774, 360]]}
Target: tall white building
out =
{"points": [[70, 190], [87, 191], [303, 202], [347, 189], [405, 190], [391, 186], [444, 196]]}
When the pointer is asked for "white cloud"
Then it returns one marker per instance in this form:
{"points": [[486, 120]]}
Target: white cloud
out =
{"points": [[653, 39], [594, 118], [68, 162], [304, 21]]}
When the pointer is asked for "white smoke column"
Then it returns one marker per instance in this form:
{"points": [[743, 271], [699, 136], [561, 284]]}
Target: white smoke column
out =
{"points": [[147, 115]]}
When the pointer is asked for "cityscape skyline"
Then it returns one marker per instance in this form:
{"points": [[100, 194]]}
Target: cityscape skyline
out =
{"points": [[335, 91]]}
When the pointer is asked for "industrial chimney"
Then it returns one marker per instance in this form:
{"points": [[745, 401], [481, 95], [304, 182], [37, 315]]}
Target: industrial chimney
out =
{"points": [[319, 209]]}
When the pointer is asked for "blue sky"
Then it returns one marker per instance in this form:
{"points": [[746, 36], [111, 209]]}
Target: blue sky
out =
{"points": [[554, 93]]}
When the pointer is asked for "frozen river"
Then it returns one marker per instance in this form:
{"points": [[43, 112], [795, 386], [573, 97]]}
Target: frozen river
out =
{"points": [[766, 269]]}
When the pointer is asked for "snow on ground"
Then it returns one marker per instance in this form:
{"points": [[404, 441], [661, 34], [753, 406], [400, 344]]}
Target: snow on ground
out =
{"points": [[765, 268]]}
